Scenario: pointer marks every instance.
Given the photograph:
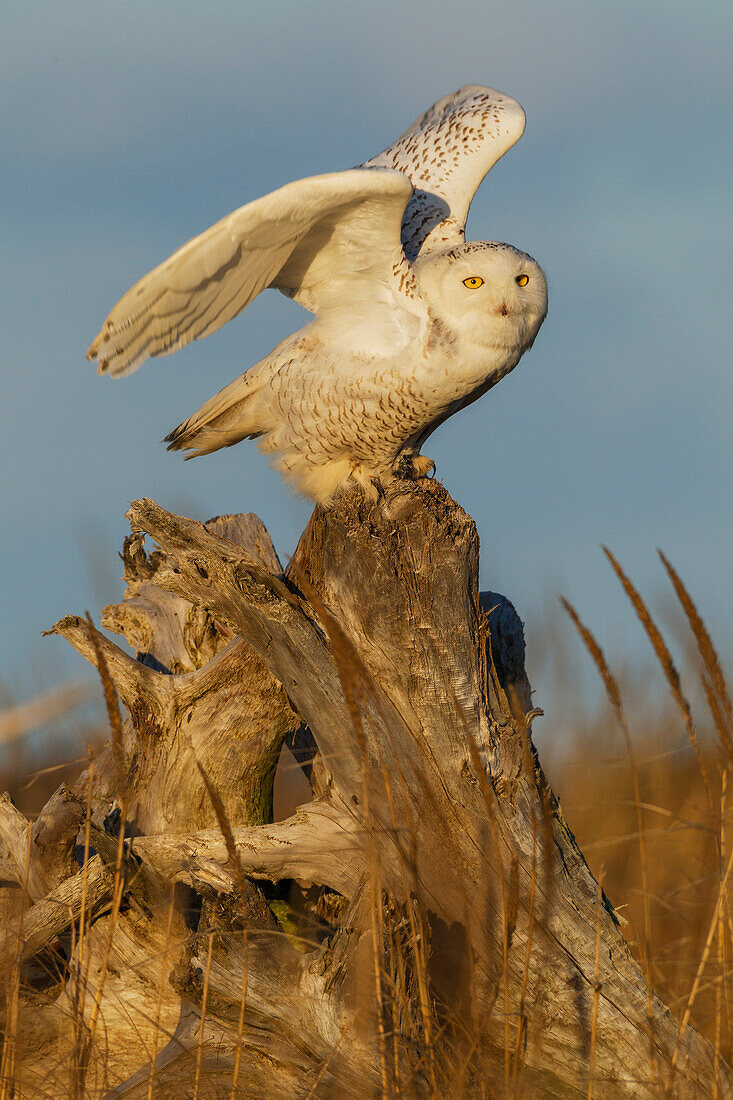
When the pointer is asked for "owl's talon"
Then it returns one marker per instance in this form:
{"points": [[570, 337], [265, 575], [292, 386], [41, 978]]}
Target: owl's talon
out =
{"points": [[413, 467]]}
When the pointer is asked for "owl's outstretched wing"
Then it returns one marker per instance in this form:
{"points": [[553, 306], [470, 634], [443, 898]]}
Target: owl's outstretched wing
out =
{"points": [[446, 153], [326, 241]]}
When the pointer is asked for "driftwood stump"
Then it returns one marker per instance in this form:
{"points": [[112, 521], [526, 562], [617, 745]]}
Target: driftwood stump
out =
{"points": [[425, 926]]}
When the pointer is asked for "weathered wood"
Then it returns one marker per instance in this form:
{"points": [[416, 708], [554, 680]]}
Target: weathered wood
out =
{"points": [[170, 633], [14, 839], [196, 695], [39, 855], [443, 923], [320, 844], [229, 716], [47, 919]]}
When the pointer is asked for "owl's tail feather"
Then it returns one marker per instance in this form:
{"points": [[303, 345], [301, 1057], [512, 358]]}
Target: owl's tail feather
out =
{"points": [[231, 415]]}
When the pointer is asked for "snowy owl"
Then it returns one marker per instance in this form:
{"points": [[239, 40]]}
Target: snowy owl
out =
{"points": [[411, 322]]}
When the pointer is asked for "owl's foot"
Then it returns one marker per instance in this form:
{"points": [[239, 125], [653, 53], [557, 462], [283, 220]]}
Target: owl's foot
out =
{"points": [[412, 467]]}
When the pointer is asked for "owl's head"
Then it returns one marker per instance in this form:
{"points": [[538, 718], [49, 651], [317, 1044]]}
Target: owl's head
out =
{"points": [[490, 294]]}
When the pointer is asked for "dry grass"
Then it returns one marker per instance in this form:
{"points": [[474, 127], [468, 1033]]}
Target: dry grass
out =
{"points": [[647, 801], [656, 825], [596, 790]]}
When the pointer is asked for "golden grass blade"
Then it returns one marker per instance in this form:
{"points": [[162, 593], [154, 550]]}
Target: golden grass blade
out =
{"points": [[115, 725], [117, 892], [668, 666], [204, 1000], [240, 1021], [510, 926], [225, 828], [725, 908], [596, 986], [394, 992], [707, 653], [721, 721], [12, 996], [614, 695], [231, 847], [609, 680], [112, 704], [159, 999], [522, 1021], [698, 976], [418, 939], [508, 892], [327, 1063], [718, 1004], [41, 772], [81, 975], [353, 675]]}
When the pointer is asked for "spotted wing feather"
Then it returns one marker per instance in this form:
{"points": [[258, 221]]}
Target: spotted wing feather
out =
{"points": [[446, 153]]}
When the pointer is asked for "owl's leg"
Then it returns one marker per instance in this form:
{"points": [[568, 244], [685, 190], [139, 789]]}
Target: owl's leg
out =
{"points": [[370, 482], [412, 466]]}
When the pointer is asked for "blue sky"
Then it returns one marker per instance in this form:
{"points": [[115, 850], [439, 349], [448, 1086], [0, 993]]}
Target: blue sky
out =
{"points": [[126, 129]]}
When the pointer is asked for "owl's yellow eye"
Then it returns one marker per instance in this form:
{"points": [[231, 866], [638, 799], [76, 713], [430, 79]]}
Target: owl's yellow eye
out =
{"points": [[522, 280], [473, 283]]}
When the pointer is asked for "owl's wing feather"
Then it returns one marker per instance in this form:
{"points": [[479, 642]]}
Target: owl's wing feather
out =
{"points": [[446, 153], [324, 241]]}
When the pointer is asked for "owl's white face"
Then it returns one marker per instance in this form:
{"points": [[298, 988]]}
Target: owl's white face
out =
{"points": [[490, 294]]}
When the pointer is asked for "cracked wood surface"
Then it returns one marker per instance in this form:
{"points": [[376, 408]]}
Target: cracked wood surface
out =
{"points": [[320, 844], [48, 918], [374, 651]]}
